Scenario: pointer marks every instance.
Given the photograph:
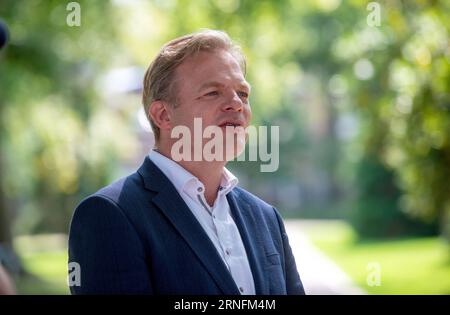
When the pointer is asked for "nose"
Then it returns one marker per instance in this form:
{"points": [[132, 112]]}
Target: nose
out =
{"points": [[233, 103]]}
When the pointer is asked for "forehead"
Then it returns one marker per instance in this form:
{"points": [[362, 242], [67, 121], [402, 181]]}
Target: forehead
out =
{"points": [[216, 66]]}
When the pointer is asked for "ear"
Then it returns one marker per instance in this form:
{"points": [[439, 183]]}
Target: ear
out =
{"points": [[159, 113]]}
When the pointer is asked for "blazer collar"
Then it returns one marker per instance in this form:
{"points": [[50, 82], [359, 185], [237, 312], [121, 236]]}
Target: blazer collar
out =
{"points": [[175, 209], [170, 203]]}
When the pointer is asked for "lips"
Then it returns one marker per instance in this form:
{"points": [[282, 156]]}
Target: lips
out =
{"points": [[232, 123]]}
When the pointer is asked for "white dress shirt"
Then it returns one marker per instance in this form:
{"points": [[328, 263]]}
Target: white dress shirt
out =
{"points": [[216, 220]]}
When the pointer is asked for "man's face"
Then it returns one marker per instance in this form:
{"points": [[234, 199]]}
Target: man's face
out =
{"points": [[211, 86]]}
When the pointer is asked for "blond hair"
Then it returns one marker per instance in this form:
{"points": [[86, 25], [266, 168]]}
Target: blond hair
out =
{"points": [[159, 80]]}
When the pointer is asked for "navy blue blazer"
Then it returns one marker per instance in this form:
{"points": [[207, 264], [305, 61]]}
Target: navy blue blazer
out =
{"points": [[137, 236]]}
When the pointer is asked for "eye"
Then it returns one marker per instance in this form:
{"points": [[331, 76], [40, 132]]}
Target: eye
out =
{"points": [[212, 93], [243, 94]]}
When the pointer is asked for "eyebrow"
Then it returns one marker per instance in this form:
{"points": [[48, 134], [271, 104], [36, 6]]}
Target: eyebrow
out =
{"points": [[206, 85]]}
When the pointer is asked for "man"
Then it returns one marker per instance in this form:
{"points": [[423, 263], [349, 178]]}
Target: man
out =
{"points": [[182, 226]]}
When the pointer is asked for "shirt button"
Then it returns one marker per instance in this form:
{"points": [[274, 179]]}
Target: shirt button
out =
{"points": [[241, 289], [227, 251], [199, 189]]}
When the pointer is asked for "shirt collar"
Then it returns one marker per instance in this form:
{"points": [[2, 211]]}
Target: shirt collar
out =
{"points": [[228, 181], [184, 180]]}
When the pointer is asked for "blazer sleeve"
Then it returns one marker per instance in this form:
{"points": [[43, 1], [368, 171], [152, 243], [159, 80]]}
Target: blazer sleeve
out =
{"points": [[294, 285], [108, 250]]}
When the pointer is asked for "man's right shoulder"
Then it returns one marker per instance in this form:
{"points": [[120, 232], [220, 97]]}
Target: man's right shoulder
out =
{"points": [[121, 187], [117, 193]]}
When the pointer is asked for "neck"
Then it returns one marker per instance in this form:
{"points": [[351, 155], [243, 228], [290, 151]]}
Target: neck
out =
{"points": [[209, 173]]}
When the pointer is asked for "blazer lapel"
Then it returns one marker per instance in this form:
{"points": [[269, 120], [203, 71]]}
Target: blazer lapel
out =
{"points": [[177, 212], [243, 217]]}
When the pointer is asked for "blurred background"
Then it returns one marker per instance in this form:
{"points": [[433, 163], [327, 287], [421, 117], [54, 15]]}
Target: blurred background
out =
{"points": [[360, 91]]}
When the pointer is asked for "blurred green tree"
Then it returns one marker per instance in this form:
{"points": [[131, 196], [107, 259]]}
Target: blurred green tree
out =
{"points": [[56, 142], [401, 91]]}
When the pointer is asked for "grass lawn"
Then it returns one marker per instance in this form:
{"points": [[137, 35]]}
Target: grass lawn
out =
{"points": [[45, 258], [408, 266]]}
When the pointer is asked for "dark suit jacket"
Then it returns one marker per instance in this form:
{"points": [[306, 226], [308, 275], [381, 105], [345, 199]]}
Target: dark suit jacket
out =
{"points": [[137, 236]]}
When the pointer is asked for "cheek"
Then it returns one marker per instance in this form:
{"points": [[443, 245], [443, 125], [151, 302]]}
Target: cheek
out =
{"points": [[182, 115], [248, 112], [207, 112], [176, 119], [187, 118]]}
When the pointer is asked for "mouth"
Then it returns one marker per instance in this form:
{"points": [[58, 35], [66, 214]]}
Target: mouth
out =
{"points": [[231, 123]]}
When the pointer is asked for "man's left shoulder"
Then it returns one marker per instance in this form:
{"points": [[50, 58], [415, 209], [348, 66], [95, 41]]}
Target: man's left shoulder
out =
{"points": [[256, 203]]}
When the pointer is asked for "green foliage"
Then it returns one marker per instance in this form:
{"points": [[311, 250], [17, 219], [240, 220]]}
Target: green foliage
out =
{"points": [[377, 214], [55, 142], [405, 108]]}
